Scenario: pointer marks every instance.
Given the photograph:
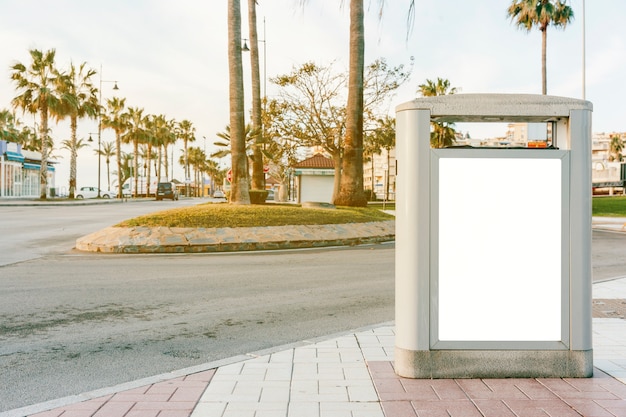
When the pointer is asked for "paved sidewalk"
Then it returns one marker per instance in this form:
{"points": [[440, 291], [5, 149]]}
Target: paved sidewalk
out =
{"points": [[352, 375]]}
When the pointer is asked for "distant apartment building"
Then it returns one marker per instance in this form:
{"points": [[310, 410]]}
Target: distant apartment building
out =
{"points": [[379, 175]]}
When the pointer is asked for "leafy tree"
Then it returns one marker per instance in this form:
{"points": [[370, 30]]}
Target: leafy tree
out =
{"points": [[36, 86], [239, 192], [541, 13], [313, 111], [115, 118], [77, 100], [442, 134]]}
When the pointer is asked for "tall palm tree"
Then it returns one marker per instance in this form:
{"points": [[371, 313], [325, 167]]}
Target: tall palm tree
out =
{"points": [[187, 133], [107, 150], [541, 13], [443, 134], [239, 192], [351, 182], [258, 176], [36, 86], [135, 134], [78, 99], [616, 147], [116, 119], [9, 127]]}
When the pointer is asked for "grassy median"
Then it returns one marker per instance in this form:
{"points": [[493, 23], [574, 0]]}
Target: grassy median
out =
{"points": [[609, 206], [212, 215]]}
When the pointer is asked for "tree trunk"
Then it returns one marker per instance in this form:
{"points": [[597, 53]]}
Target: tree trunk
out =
{"points": [[337, 179], [136, 165], [43, 169], [351, 185], [149, 169], [544, 47], [239, 193], [73, 155], [258, 177], [118, 151]]}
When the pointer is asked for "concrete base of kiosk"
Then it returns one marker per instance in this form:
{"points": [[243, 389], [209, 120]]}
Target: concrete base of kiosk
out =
{"points": [[493, 364]]}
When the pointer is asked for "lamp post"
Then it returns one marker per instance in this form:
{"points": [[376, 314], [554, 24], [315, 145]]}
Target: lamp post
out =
{"points": [[100, 121]]}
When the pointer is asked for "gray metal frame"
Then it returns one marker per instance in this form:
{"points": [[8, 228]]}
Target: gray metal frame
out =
{"points": [[436, 155]]}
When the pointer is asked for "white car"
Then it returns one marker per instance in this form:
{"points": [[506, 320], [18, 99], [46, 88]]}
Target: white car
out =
{"points": [[218, 194], [92, 192]]}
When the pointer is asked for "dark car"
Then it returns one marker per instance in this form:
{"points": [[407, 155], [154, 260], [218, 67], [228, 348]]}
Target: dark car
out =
{"points": [[166, 190]]}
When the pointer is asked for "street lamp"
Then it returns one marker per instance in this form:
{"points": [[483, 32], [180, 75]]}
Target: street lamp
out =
{"points": [[100, 121]]}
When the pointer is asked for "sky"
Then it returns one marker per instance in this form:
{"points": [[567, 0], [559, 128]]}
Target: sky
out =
{"points": [[170, 57]]}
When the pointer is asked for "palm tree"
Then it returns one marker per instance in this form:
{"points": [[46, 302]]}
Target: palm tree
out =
{"points": [[78, 100], [136, 134], [73, 146], [187, 134], [258, 177], [443, 134], [116, 119], [616, 147], [107, 150], [239, 193], [351, 182], [384, 137], [541, 13], [9, 127], [37, 94]]}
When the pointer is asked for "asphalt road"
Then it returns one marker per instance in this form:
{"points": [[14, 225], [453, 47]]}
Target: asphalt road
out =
{"points": [[73, 322]]}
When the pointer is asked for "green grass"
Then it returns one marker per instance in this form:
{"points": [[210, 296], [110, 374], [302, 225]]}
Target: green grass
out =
{"points": [[211, 215], [609, 206]]}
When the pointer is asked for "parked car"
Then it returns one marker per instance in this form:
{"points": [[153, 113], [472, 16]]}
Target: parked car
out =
{"points": [[218, 194], [92, 192], [270, 195], [166, 190]]}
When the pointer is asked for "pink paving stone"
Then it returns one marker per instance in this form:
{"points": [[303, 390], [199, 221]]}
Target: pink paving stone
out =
{"points": [[447, 389], [125, 397], [77, 413], [419, 389], [589, 408], [389, 385], [114, 409], [381, 369], [143, 413], [451, 408], [541, 408], [187, 394], [174, 413], [494, 408], [398, 409], [178, 405]]}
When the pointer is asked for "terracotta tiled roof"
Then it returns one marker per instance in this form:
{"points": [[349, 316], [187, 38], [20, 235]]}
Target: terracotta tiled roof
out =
{"points": [[316, 161]]}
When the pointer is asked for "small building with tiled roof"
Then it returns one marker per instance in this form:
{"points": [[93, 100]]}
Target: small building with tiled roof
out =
{"points": [[315, 177]]}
